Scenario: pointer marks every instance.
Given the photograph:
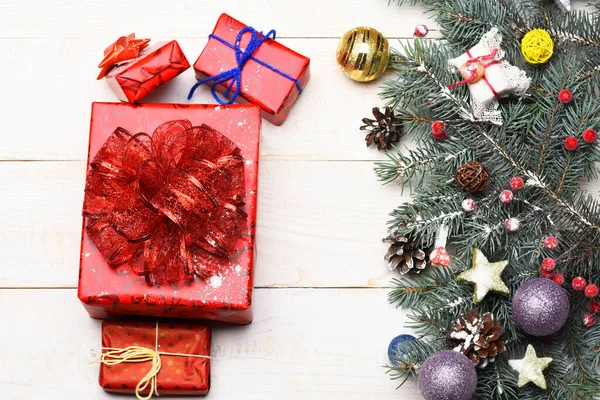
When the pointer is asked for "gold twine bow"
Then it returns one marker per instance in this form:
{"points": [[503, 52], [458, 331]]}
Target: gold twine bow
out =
{"points": [[138, 354]]}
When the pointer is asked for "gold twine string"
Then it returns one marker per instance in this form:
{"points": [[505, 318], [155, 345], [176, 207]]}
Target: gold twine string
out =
{"points": [[138, 354]]}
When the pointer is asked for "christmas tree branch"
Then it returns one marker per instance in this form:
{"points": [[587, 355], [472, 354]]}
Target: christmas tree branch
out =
{"points": [[549, 130]]}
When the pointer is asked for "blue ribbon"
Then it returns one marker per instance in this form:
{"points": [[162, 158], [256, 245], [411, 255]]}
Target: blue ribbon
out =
{"points": [[242, 57]]}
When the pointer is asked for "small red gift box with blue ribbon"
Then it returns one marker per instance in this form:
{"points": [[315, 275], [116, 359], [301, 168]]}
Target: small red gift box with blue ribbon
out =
{"points": [[243, 65]]}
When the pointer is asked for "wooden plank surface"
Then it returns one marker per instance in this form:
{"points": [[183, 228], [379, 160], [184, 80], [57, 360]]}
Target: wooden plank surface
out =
{"points": [[320, 224], [303, 344], [322, 322], [323, 124], [190, 18]]}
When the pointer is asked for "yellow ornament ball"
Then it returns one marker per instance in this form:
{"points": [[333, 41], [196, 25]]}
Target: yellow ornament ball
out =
{"points": [[363, 54], [537, 47]]}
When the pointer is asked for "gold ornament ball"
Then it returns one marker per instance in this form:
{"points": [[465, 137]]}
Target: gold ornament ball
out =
{"points": [[363, 54], [537, 46]]}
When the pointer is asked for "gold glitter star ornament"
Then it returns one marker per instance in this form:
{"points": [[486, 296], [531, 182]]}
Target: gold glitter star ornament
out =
{"points": [[485, 276], [531, 368]]}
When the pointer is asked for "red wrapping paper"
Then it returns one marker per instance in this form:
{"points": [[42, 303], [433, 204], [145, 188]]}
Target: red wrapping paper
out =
{"points": [[178, 375], [272, 92], [156, 65], [226, 296]]}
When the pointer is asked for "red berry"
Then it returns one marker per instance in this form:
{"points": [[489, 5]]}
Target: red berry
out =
{"points": [[546, 274], [594, 306], [589, 320], [421, 30], [571, 143], [517, 183], [506, 196], [438, 130], [559, 278], [548, 264], [512, 224], [565, 96], [468, 205], [578, 283], [551, 243], [591, 291], [590, 135]]}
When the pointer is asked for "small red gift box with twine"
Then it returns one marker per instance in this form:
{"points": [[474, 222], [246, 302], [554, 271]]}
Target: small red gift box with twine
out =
{"points": [[154, 358]]}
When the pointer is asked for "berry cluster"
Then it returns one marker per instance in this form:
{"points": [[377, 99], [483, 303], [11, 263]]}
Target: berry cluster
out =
{"points": [[506, 196], [591, 291], [590, 135], [590, 318], [547, 270]]}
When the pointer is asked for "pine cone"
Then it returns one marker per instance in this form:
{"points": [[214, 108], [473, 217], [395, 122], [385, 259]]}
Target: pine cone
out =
{"points": [[384, 130], [477, 336], [404, 255]]}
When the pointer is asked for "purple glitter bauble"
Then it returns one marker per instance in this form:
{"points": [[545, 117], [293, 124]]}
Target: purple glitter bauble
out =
{"points": [[447, 375], [540, 307]]}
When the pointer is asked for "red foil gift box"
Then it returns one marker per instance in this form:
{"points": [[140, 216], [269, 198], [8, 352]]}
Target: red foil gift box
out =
{"points": [[260, 85], [133, 80], [183, 349], [113, 278]]}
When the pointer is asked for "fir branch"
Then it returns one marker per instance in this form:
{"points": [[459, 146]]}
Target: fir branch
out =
{"points": [[529, 144]]}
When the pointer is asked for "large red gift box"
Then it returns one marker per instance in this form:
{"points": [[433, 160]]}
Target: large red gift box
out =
{"points": [[133, 80], [224, 293], [260, 85], [183, 348]]}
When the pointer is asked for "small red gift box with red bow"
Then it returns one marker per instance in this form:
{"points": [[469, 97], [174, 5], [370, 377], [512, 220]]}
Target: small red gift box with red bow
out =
{"points": [[132, 350], [271, 76], [170, 211], [133, 71]]}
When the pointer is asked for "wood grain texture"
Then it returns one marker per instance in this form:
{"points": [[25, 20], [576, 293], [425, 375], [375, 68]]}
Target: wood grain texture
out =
{"points": [[323, 125], [303, 344], [319, 224], [322, 323], [189, 18]]}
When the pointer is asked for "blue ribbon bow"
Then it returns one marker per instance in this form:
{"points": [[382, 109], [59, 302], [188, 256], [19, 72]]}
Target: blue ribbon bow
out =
{"points": [[242, 57]]}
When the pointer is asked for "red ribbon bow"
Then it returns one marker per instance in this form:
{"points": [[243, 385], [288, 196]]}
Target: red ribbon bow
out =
{"points": [[473, 60], [169, 204], [123, 49]]}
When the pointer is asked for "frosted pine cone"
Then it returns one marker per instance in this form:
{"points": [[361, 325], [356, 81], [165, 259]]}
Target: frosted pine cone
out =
{"points": [[404, 255], [384, 130], [477, 336]]}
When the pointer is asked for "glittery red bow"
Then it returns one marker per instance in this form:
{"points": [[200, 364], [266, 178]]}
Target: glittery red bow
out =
{"points": [[169, 204], [123, 49]]}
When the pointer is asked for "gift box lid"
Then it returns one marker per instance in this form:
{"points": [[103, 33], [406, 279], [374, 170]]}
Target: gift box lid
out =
{"points": [[225, 296]]}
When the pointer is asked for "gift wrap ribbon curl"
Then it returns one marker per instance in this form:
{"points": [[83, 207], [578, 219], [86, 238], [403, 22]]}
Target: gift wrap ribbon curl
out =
{"points": [[235, 74], [138, 354], [169, 204], [485, 60]]}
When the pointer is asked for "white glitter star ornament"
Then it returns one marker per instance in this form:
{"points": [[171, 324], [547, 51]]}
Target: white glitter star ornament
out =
{"points": [[485, 276], [530, 368], [489, 77], [565, 5]]}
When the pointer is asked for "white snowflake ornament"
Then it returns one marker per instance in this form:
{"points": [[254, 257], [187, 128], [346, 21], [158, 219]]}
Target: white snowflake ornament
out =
{"points": [[489, 77]]}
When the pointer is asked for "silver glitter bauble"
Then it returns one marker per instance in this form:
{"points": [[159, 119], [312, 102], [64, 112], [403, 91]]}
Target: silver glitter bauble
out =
{"points": [[447, 375], [540, 307]]}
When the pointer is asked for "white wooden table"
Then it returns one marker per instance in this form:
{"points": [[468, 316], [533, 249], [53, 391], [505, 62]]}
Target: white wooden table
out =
{"points": [[322, 322]]}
